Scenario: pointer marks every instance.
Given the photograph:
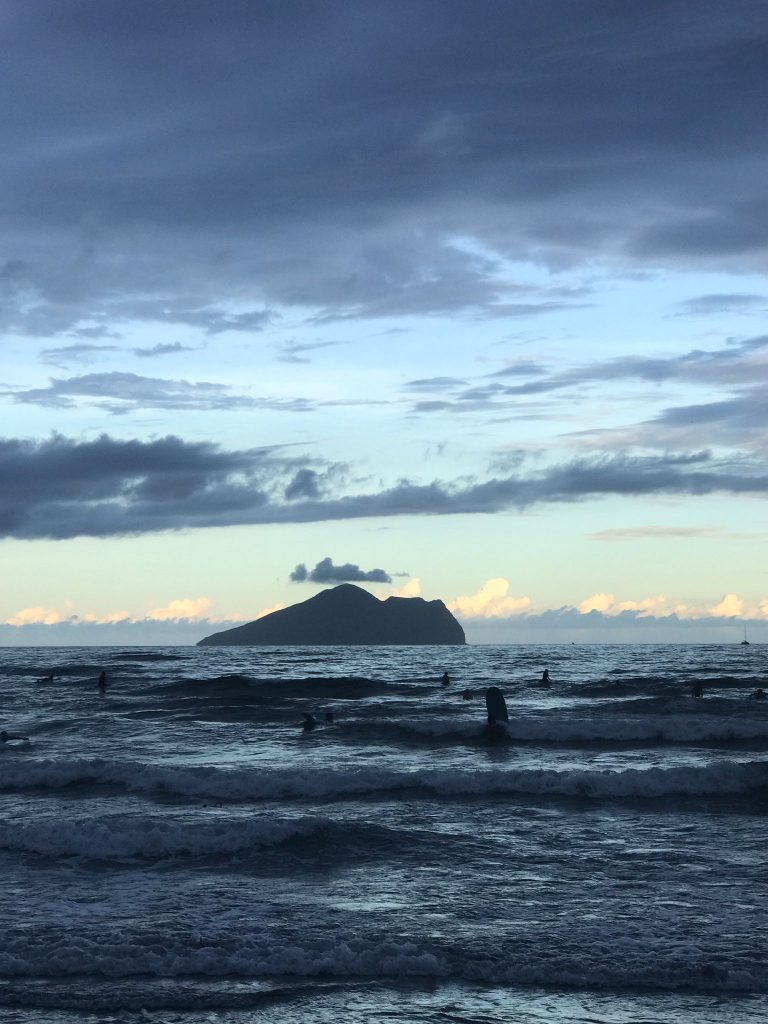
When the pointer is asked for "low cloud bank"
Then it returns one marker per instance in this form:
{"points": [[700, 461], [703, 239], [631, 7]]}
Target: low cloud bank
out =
{"points": [[127, 633], [559, 626], [490, 615], [568, 625]]}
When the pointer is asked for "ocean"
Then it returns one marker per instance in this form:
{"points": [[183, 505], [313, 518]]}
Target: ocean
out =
{"points": [[178, 849]]}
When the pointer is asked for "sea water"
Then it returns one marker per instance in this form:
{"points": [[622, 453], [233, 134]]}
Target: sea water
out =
{"points": [[178, 849]]}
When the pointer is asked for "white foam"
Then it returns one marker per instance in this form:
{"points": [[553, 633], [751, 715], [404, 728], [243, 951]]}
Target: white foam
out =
{"points": [[717, 777], [610, 959]]}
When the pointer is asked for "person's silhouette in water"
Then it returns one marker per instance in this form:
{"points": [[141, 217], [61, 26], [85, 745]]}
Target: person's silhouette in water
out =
{"points": [[495, 731], [545, 677], [102, 683], [309, 722], [5, 736], [445, 679], [697, 690]]}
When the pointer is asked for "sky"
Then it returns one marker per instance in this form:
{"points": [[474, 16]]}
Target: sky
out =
{"points": [[450, 299]]}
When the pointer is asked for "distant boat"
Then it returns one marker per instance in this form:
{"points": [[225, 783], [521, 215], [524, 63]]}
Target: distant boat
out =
{"points": [[745, 642]]}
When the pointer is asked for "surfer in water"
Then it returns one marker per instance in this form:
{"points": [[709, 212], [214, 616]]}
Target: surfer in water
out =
{"points": [[445, 679], [545, 677], [495, 730], [309, 722], [758, 694], [697, 690], [46, 679], [102, 683], [5, 736]]}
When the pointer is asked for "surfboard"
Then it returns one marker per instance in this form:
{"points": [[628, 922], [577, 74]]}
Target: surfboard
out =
{"points": [[496, 705]]}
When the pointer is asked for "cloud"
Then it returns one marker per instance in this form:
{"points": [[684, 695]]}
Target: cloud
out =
{"points": [[182, 608], [410, 589], [738, 368], [435, 384], [521, 368], [660, 607], [152, 351], [734, 364], [118, 393], [83, 352], [61, 488], [293, 351], [596, 603], [730, 302], [206, 318], [607, 604], [155, 197], [326, 572], [730, 605], [305, 484], [36, 615], [111, 618], [490, 602], [655, 619], [268, 611], [670, 533]]}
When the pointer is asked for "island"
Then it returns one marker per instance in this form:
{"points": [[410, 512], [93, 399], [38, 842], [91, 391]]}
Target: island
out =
{"points": [[347, 615]]}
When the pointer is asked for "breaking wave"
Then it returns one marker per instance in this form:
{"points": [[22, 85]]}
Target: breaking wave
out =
{"points": [[715, 778]]}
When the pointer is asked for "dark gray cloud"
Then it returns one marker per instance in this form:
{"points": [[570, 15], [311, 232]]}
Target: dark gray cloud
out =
{"points": [[63, 488], [175, 162], [305, 484], [326, 572]]}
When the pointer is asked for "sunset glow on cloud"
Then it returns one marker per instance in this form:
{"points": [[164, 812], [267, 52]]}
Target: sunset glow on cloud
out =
{"points": [[490, 602], [182, 608]]}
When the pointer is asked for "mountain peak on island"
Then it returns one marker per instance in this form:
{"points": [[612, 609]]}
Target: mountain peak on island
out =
{"points": [[347, 615]]}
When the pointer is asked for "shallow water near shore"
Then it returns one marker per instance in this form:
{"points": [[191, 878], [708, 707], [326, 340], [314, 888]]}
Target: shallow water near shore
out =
{"points": [[180, 850]]}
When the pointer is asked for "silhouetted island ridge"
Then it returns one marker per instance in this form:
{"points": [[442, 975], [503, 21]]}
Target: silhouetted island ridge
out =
{"points": [[348, 615]]}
